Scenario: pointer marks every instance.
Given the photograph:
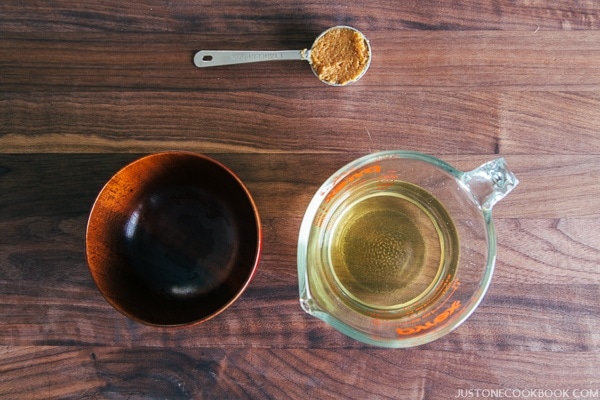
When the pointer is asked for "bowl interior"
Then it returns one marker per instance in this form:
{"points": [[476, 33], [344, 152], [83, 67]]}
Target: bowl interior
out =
{"points": [[173, 239]]}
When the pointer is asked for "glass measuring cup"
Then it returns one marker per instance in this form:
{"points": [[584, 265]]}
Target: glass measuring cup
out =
{"points": [[397, 248], [348, 56]]}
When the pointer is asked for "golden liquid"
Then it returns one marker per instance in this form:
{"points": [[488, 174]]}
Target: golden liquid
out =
{"points": [[390, 248]]}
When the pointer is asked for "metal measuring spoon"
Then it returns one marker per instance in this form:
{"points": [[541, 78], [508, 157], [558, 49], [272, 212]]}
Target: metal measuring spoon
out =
{"points": [[356, 66]]}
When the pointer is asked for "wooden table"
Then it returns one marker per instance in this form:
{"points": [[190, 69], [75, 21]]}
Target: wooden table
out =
{"points": [[88, 86]]}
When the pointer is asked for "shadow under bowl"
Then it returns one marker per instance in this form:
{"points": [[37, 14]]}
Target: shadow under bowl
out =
{"points": [[173, 239]]}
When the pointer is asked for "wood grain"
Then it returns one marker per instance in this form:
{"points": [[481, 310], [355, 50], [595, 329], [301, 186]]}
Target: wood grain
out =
{"points": [[109, 372], [88, 86], [484, 60], [284, 15], [553, 186], [436, 122], [48, 298]]}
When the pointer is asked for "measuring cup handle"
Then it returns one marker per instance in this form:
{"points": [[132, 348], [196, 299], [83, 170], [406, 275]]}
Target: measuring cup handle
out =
{"points": [[214, 58], [490, 182]]}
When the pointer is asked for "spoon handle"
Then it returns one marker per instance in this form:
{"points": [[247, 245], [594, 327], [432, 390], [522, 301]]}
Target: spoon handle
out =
{"points": [[214, 58]]}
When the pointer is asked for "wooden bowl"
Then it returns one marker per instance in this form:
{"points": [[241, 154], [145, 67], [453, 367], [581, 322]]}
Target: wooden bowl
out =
{"points": [[173, 239]]}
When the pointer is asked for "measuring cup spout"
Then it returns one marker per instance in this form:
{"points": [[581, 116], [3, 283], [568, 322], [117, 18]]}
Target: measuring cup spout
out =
{"points": [[490, 182]]}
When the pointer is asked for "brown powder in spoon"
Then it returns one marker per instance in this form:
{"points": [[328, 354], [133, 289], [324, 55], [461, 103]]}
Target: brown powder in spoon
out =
{"points": [[340, 56]]}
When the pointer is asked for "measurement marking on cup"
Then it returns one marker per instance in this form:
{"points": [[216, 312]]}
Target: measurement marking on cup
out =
{"points": [[375, 169], [430, 324], [321, 213], [440, 317], [387, 180]]}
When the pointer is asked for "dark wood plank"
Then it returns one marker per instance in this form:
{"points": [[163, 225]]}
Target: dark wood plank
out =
{"points": [[284, 15], [63, 187], [517, 317], [402, 61], [546, 273], [283, 184], [112, 372], [436, 122], [248, 122]]}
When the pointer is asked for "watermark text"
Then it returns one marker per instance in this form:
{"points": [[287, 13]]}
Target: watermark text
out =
{"points": [[528, 393]]}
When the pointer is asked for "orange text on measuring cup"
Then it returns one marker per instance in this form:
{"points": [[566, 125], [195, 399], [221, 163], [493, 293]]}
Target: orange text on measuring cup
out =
{"points": [[430, 324], [374, 169]]}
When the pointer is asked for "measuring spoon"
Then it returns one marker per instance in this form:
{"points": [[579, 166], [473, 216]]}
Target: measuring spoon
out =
{"points": [[354, 65]]}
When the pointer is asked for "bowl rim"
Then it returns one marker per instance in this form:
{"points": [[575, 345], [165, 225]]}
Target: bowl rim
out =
{"points": [[258, 246]]}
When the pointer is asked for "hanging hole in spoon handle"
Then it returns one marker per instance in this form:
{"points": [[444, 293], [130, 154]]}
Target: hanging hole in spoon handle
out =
{"points": [[215, 58]]}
